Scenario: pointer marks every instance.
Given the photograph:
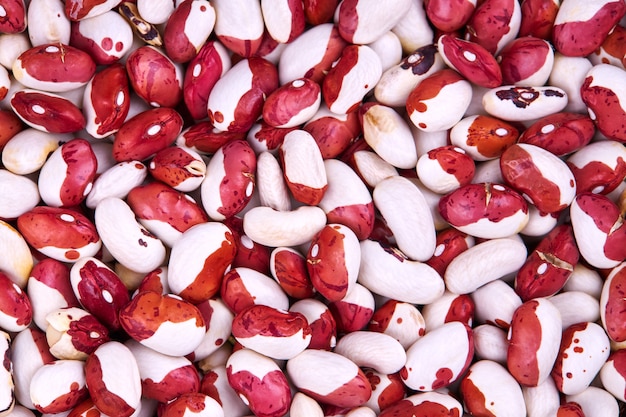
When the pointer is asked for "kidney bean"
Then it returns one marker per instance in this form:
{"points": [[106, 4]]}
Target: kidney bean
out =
{"points": [[354, 310], [534, 339], [494, 24], [601, 92], [490, 343], [355, 74], [447, 362], [472, 61], [105, 46], [410, 38], [260, 383], [595, 401], [47, 67], [495, 303], [580, 28], [322, 323], [526, 61], [18, 261], [329, 378], [242, 287], [549, 265], [113, 395], [129, 242], [489, 388], [214, 383], [429, 110], [74, 334], [62, 234], [188, 27], [594, 216], [47, 112], [58, 386]]}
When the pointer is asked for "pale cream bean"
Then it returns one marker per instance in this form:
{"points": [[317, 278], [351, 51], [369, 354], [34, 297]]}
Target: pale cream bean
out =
{"points": [[18, 194], [408, 215], [484, 263], [595, 402], [568, 73], [48, 23], [542, 400], [29, 149], [129, 242], [155, 11], [372, 350], [576, 307], [304, 406], [389, 135], [372, 168], [495, 303], [387, 271], [11, 46], [274, 228], [413, 28], [116, 181], [539, 223], [17, 261], [490, 343], [388, 48], [270, 183], [361, 412], [585, 279]]}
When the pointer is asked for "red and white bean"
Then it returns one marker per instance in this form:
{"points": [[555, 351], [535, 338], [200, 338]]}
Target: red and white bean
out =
{"points": [[338, 288]]}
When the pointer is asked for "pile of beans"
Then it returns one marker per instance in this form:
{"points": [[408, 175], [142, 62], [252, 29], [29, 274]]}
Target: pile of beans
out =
{"points": [[306, 208]]}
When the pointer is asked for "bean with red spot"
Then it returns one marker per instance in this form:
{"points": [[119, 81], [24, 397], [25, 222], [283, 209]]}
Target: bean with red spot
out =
{"points": [[74, 334], [113, 379], [534, 340], [424, 404], [471, 60], [602, 91], [580, 27], [58, 386], [494, 24], [164, 211], [47, 112], [488, 388], [147, 133], [585, 347], [549, 265], [560, 133], [272, 332], [289, 269], [483, 137], [107, 37], [354, 311], [236, 100], [242, 287], [15, 306], [598, 229], [448, 362], [259, 382], [106, 101], [292, 104], [62, 234], [187, 29]]}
